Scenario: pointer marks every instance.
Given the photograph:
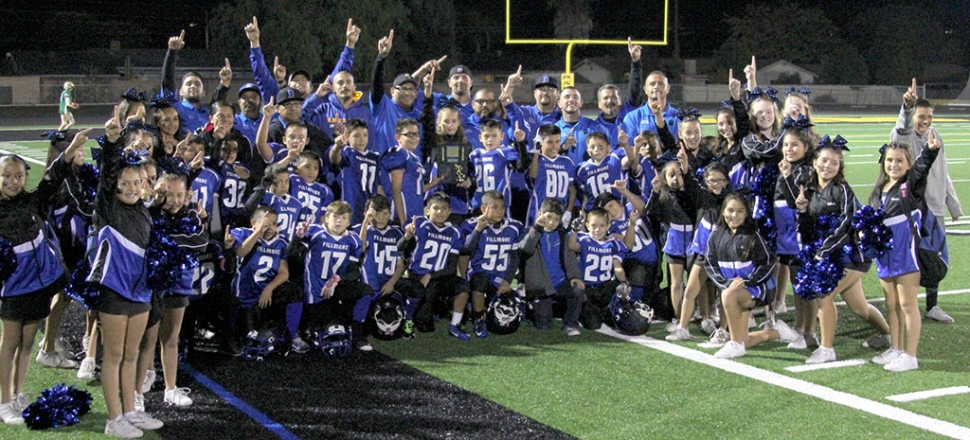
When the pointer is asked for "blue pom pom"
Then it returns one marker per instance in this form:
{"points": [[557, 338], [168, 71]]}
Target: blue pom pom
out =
{"points": [[166, 260], [8, 260], [60, 405], [875, 238], [89, 175]]}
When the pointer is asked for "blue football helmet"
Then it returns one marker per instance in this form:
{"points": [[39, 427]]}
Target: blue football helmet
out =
{"points": [[504, 314], [335, 340], [262, 344], [629, 317]]}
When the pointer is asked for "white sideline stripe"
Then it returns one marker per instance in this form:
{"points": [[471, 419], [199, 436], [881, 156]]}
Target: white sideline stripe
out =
{"points": [[922, 295], [871, 184], [27, 158], [826, 365], [800, 386], [929, 394]]}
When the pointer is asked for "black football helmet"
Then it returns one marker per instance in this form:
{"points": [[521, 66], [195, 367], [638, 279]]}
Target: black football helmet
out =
{"points": [[261, 344], [334, 340], [504, 314], [386, 318], [629, 317]]}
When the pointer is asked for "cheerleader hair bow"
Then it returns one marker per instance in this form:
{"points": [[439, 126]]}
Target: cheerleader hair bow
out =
{"points": [[801, 122], [664, 159], [882, 152], [839, 143], [174, 165], [133, 95], [163, 98], [689, 112], [133, 157], [53, 135], [802, 91], [758, 92]]}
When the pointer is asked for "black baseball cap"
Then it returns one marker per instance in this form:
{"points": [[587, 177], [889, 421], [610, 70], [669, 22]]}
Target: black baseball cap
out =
{"points": [[459, 69], [288, 94], [301, 72], [547, 80], [404, 78]]}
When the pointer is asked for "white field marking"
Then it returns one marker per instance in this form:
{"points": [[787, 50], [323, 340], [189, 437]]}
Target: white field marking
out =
{"points": [[800, 386], [871, 184], [929, 394], [826, 365], [922, 295], [21, 154]]}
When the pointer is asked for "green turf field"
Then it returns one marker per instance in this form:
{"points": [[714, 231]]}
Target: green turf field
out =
{"points": [[601, 387]]}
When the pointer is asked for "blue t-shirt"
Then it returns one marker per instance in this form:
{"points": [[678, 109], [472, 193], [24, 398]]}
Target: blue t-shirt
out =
{"points": [[328, 255], [553, 180], [248, 127], [492, 169], [192, 118], [580, 130], [642, 119], [381, 258], [595, 178], [598, 257], [495, 246], [435, 244], [257, 269]]}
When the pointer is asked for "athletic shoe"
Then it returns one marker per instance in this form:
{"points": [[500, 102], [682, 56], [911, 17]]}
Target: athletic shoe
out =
{"points": [[409, 329], [887, 356], [363, 344], [60, 347], [720, 337], [143, 420], [780, 308], [122, 428], [10, 415], [139, 402], [751, 322], [798, 343], [457, 332], [681, 334], [785, 333], [54, 360], [937, 314], [730, 350], [903, 362], [673, 326], [86, 343], [20, 402], [146, 386], [708, 326], [298, 346], [811, 340], [821, 356], [571, 331], [480, 330], [877, 341], [180, 396], [86, 372], [696, 316]]}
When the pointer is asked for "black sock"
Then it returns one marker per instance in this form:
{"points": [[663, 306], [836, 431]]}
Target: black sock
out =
{"points": [[931, 294]]}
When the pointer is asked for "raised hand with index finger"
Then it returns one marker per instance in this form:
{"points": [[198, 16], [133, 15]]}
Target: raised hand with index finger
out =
{"points": [[177, 43], [225, 74], [385, 44], [635, 50], [252, 33], [353, 33], [910, 97]]}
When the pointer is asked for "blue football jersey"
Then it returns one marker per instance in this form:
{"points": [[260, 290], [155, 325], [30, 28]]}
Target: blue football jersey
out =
{"points": [[597, 258], [233, 194], [495, 246], [205, 187], [289, 211], [435, 244], [358, 179], [257, 269], [492, 171], [327, 255], [644, 248], [382, 257], [412, 187], [553, 180], [314, 196], [596, 178]]}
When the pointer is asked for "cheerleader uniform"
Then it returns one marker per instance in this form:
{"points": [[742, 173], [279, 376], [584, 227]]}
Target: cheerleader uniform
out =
{"points": [[39, 275], [838, 202], [901, 259], [786, 216], [122, 235], [742, 254], [707, 214], [677, 213]]}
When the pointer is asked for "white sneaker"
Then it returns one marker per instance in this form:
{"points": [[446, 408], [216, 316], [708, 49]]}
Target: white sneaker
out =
{"points": [[122, 428], [730, 350], [139, 402], [903, 362], [785, 333], [20, 402], [720, 337], [780, 308], [54, 360], [696, 316], [61, 348], [798, 343], [708, 326], [673, 326], [178, 397], [937, 314], [150, 376], [10, 415], [86, 343], [821, 356], [887, 356], [681, 334], [143, 420], [571, 331], [86, 372]]}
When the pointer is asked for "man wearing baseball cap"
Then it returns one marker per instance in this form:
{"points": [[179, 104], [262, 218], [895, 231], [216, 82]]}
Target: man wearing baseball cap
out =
{"points": [[290, 107], [387, 110], [250, 105], [460, 82]]}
